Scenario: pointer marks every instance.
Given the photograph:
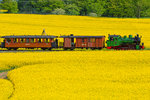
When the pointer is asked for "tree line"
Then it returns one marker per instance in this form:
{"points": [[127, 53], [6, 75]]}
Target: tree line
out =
{"points": [[104, 8]]}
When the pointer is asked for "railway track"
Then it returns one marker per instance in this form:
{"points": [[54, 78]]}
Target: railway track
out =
{"points": [[15, 51], [3, 51]]}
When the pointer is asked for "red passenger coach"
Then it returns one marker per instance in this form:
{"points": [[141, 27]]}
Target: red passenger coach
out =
{"points": [[93, 42], [15, 42]]}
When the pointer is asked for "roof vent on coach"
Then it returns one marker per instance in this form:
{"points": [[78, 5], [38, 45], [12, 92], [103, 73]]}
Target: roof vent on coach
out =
{"points": [[71, 34], [43, 33]]}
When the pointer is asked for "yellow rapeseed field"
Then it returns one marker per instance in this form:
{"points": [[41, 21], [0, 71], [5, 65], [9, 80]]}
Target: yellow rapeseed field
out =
{"points": [[25, 24], [79, 75], [75, 75], [6, 89]]}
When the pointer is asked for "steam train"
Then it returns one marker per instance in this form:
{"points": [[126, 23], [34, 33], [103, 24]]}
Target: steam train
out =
{"points": [[71, 42]]}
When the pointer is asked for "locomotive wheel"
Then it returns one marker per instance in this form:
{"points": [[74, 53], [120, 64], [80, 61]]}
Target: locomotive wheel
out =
{"points": [[93, 48], [15, 48], [99, 48], [65, 48], [72, 49], [43, 48], [122, 48], [9, 48], [50, 49]]}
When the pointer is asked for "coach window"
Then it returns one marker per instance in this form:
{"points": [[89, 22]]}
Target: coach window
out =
{"points": [[17, 40], [42, 40], [32, 40], [21, 40], [92, 40], [27, 40], [39, 41], [14, 40], [8, 40], [47, 40], [112, 39], [35, 40], [82, 40], [89, 40]]}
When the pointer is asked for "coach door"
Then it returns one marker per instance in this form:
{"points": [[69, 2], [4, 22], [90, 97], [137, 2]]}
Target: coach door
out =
{"points": [[91, 42], [67, 42]]}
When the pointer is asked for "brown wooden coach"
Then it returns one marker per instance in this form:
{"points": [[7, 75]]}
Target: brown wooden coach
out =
{"points": [[93, 42], [36, 41]]}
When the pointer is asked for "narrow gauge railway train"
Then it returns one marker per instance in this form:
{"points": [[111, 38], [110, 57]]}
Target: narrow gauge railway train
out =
{"points": [[71, 42]]}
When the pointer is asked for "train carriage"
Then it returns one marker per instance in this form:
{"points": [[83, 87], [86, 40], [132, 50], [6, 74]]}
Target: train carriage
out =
{"points": [[93, 42], [34, 41]]}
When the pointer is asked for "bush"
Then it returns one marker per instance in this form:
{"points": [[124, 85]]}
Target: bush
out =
{"points": [[59, 11], [93, 14]]}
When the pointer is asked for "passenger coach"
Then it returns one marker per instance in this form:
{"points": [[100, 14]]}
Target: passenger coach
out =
{"points": [[43, 42], [93, 42]]}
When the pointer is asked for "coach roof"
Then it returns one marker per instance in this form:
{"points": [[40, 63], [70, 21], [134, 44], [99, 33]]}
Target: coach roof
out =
{"points": [[82, 36], [30, 36], [114, 35]]}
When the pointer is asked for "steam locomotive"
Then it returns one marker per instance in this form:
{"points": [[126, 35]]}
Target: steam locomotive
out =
{"points": [[48, 42], [118, 42]]}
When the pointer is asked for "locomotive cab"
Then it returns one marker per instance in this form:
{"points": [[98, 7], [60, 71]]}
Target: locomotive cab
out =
{"points": [[113, 40]]}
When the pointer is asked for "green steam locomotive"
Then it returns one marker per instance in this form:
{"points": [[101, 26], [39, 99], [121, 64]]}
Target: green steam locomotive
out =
{"points": [[124, 43]]}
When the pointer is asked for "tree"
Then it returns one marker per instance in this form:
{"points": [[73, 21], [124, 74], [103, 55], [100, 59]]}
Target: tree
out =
{"points": [[91, 6], [47, 6], [147, 13], [108, 8], [98, 7], [59, 11], [67, 2], [119, 8], [72, 9], [27, 6], [39, 6], [141, 7], [10, 5]]}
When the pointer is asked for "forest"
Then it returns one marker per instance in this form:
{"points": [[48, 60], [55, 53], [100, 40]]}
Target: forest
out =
{"points": [[96, 8]]}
